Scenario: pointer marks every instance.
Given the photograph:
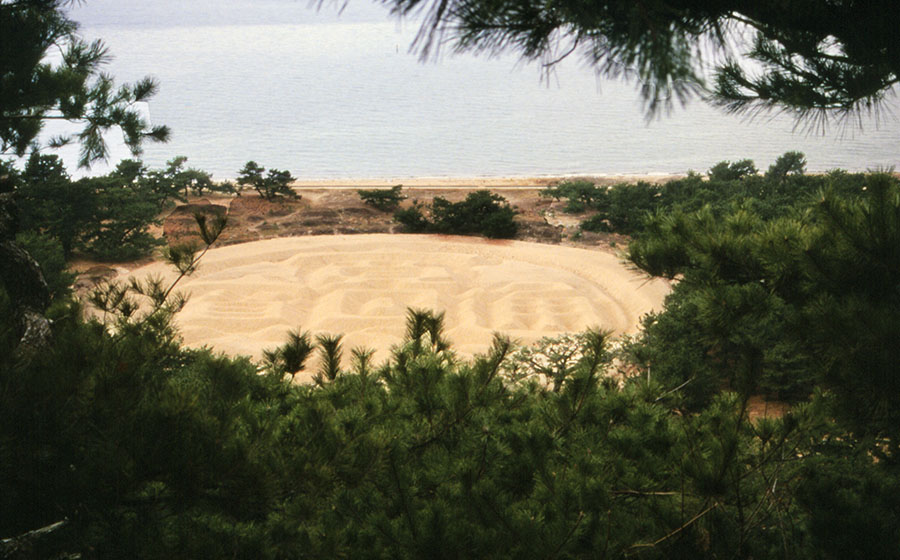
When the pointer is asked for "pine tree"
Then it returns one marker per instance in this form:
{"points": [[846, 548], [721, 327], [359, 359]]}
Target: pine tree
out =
{"points": [[811, 58], [33, 90], [275, 184]]}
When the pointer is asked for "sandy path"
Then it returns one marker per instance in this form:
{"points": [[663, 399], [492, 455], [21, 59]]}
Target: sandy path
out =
{"points": [[244, 298]]}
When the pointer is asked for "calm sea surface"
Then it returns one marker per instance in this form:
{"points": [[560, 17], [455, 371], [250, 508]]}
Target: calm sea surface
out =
{"points": [[330, 95]]}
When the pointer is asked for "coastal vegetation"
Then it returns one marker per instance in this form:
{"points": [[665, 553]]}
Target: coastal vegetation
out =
{"points": [[629, 208], [481, 213], [385, 200], [117, 442], [274, 184], [105, 217]]}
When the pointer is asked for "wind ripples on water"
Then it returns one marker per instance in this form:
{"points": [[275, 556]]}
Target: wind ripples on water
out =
{"points": [[346, 100]]}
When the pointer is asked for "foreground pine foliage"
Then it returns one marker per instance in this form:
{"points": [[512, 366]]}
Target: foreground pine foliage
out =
{"points": [[148, 450], [116, 442]]}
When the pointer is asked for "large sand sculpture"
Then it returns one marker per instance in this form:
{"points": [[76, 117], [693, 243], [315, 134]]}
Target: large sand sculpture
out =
{"points": [[244, 298]]}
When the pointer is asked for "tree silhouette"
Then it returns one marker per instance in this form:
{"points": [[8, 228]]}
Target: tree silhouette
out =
{"points": [[330, 353], [291, 357], [811, 58], [273, 185], [33, 90]]}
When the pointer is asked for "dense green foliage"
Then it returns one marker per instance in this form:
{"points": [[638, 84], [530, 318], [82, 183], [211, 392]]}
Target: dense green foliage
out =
{"points": [[132, 440], [275, 184], [625, 207], [481, 213], [732, 171], [809, 57], [787, 304], [178, 183], [383, 199], [580, 195], [149, 450], [788, 164], [152, 451], [803, 306], [107, 217]]}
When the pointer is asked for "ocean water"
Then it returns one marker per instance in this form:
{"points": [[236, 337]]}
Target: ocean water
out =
{"points": [[329, 94]]}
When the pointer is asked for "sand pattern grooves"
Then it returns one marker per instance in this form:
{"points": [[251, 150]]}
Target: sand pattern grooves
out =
{"points": [[244, 298]]}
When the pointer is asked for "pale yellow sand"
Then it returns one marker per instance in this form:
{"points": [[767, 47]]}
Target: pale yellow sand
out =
{"points": [[245, 298], [493, 183]]}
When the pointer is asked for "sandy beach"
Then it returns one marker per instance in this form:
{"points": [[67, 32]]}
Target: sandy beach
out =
{"points": [[493, 183], [244, 298]]}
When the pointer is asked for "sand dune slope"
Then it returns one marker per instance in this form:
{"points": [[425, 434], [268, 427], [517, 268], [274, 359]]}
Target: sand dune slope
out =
{"points": [[244, 298]]}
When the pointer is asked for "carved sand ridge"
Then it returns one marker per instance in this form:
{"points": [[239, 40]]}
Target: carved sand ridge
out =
{"points": [[244, 298]]}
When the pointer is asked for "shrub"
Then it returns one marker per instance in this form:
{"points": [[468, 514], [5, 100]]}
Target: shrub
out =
{"points": [[481, 213], [728, 171], [51, 203], [625, 209], [383, 199], [412, 219], [580, 195], [119, 227], [596, 223]]}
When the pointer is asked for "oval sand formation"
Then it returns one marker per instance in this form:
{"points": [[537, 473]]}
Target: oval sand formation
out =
{"points": [[244, 298]]}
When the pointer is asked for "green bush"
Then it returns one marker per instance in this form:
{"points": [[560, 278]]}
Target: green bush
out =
{"points": [[626, 207], [50, 203], [151, 451], [481, 213], [107, 217], [412, 219], [732, 171], [119, 228], [383, 199], [580, 195]]}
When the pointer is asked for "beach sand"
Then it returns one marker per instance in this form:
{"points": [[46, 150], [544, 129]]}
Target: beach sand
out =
{"points": [[244, 298], [493, 183]]}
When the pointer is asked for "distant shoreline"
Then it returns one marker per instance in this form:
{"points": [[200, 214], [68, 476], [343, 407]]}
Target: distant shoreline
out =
{"points": [[510, 182], [500, 182]]}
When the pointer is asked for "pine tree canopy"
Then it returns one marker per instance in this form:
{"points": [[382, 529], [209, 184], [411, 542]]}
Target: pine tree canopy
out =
{"points": [[48, 73], [811, 58]]}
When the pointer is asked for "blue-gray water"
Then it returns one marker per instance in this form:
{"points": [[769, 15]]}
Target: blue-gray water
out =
{"points": [[338, 96]]}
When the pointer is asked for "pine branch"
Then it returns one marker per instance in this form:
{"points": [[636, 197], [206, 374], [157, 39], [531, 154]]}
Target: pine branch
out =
{"points": [[403, 497], [671, 534], [21, 545], [568, 536]]}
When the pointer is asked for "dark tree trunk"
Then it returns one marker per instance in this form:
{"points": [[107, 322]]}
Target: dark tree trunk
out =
{"points": [[21, 276]]}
